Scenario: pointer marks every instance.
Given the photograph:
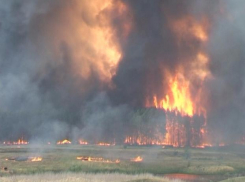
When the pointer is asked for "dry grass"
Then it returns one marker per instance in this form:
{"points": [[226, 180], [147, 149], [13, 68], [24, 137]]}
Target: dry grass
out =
{"points": [[211, 169], [238, 179], [85, 177]]}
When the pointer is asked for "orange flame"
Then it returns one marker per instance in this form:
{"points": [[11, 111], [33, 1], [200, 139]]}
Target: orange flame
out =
{"points": [[180, 98], [188, 27], [97, 159], [36, 159], [18, 142], [63, 142], [137, 159], [83, 142], [144, 140], [91, 35], [106, 144]]}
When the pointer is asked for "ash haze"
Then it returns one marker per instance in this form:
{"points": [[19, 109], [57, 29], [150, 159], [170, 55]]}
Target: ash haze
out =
{"points": [[83, 69]]}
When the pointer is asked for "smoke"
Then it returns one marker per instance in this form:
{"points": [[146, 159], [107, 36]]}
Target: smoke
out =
{"points": [[226, 89], [81, 69], [54, 58], [158, 46], [104, 123]]}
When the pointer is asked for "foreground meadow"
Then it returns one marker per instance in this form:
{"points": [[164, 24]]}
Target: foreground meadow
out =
{"points": [[156, 160], [237, 179], [82, 177]]}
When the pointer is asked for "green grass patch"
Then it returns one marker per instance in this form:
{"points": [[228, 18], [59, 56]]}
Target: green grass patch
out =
{"points": [[58, 159]]}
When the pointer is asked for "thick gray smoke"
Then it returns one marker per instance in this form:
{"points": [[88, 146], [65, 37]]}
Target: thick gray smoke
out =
{"points": [[226, 89], [51, 81], [40, 93]]}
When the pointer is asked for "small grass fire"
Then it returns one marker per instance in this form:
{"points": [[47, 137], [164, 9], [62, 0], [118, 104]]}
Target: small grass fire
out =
{"points": [[82, 142], [137, 159], [105, 144], [63, 142], [36, 159], [18, 142], [97, 159]]}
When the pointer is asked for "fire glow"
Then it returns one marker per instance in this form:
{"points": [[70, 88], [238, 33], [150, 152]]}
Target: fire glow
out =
{"points": [[106, 144], [82, 142], [36, 159], [102, 38], [109, 64], [179, 101], [97, 159], [144, 140], [137, 159], [18, 142], [63, 142]]}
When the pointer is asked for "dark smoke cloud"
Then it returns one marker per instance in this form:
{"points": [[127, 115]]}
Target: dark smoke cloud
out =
{"points": [[153, 48], [42, 92]]}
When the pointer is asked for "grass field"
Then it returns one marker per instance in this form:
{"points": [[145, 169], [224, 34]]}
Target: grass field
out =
{"points": [[237, 179], [82, 177], [156, 160]]}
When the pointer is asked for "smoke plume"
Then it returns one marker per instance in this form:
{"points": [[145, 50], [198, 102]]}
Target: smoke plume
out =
{"points": [[88, 69]]}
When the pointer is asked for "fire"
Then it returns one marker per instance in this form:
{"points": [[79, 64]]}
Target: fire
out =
{"points": [[106, 144], [180, 100], [144, 140], [21, 142], [91, 36], [63, 142], [205, 145], [175, 133], [188, 26], [18, 142], [36, 159], [82, 142], [97, 159], [137, 159], [179, 97]]}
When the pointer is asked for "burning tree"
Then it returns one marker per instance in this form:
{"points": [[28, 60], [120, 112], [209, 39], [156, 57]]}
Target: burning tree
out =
{"points": [[146, 127]]}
